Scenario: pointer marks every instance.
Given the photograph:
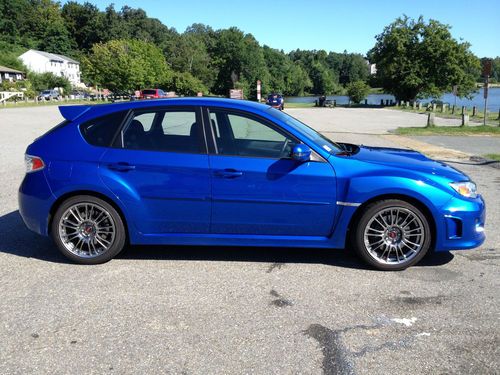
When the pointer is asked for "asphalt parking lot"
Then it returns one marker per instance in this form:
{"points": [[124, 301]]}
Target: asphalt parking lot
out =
{"points": [[215, 310]]}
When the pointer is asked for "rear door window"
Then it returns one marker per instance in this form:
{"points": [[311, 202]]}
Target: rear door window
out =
{"points": [[101, 131], [168, 130]]}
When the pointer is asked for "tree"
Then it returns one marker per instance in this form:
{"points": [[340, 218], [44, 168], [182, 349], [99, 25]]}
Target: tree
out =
{"points": [[322, 79], [418, 59], [240, 61], [84, 22], [184, 84], [124, 65], [357, 91], [189, 54], [48, 81], [348, 67]]}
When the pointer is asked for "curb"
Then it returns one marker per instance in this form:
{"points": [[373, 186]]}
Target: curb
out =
{"points": [[428, 149], [483, 161]]}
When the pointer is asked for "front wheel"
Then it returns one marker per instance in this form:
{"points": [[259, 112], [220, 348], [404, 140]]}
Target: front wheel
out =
{"points": [[392, 235], [88, 230]]}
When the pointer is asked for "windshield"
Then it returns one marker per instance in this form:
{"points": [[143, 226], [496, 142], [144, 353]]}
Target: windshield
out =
{"points": [[148, 92], [46, 92], [322, 141]]}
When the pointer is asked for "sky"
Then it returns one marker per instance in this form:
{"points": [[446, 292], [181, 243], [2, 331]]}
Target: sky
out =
{"points": [[331, 25]]}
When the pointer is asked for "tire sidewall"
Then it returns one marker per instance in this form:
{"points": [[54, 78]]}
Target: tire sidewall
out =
{"points": [[120, 235], [359, 242]]}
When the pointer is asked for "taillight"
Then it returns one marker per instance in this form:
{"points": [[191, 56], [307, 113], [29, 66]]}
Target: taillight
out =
{"points": [[33, 163]]}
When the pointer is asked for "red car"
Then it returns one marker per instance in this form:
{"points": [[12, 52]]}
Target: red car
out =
{"points": [[152, 94]]}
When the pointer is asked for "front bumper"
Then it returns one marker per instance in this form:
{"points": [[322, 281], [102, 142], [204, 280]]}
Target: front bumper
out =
{"points": [[461, 224]]}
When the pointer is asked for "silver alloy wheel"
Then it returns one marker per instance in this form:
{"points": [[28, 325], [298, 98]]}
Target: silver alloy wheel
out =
{"points": [[87, 230], [394, 235]]}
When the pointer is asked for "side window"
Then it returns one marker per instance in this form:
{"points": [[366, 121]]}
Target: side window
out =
{"points": [[101, 131], [239, 134], [178, 123], [146, 120], [164, 130], [247, 128]]}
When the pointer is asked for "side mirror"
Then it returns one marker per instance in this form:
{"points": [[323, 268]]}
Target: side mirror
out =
{"points": [[301, 153]]}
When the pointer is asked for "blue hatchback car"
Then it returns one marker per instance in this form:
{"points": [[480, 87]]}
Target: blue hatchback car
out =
{"points": [[206, 171]]}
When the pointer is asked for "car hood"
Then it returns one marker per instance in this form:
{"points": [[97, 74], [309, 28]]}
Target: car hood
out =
{"points": [[407, 159]]}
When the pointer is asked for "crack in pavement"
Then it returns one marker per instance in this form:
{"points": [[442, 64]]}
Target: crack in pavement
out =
{"points": [[336, 357]]}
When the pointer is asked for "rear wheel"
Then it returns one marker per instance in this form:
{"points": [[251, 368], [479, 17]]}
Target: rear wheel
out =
{"points": [[88, 230], [392, 235]]}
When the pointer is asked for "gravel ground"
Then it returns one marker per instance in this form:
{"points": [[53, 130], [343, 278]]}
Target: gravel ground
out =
{"points": [[208, 310], [473, 145], [362, 120]]}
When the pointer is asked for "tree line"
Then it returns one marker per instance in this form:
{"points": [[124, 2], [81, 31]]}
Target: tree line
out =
{"points": [[125, 50]]}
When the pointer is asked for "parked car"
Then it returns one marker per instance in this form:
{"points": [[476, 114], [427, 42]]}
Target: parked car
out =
{"points": [[78, 95], [49, 95], [276, 101], [152, 94], [209, 171]]}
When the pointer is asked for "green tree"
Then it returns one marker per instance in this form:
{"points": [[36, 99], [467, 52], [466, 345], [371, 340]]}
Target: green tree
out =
{"points": [[357, 91], [297, 81], [184, 84], [84, 22], [416, 59], [189, 54], [349, 67], [48, 81], [322, 79], [240, 61], [123, 65]]}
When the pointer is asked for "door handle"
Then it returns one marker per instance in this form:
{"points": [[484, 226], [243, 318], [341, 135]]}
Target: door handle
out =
{"points": [[121, 167], [228, 173]]}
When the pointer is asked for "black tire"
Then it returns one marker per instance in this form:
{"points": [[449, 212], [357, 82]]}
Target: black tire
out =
{"points": [[392, 233], [119, 235]]}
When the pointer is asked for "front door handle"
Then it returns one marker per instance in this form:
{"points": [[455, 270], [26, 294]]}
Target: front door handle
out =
{"points": [[121, 167], [228, 173]]}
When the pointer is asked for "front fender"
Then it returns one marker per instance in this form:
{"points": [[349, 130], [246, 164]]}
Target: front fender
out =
{"points": [[360, 189]]}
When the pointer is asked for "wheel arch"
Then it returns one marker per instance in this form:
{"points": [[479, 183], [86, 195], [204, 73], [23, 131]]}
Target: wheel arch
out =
{"points": [[406, 198], [60, 200]]}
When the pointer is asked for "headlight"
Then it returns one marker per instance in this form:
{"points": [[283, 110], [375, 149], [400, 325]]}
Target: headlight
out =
{"points": [[466, 188]]}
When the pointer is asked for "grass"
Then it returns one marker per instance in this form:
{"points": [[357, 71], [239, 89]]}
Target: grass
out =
{"points": [[450, 130], [491, 117], [20, 104], [492, 156], [298, 105]]}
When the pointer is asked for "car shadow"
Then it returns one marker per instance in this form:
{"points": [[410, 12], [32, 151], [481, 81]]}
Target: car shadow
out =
{"points": [[17, 240]]}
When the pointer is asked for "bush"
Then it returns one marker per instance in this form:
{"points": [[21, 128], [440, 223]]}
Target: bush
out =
{"points": [[357, 91]]}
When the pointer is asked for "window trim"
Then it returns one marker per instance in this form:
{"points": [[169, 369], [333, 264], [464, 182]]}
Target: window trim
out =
{"points": [[119, 141]]}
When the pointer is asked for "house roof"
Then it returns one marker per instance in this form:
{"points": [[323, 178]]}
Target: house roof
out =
{"points": [[4, 69], [55, 56]]}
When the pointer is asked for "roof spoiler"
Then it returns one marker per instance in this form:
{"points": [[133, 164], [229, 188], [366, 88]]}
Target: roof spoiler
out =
{"points": [[72, 112]]}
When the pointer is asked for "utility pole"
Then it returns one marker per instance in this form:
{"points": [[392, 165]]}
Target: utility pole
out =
{"points": [[486, 75]]}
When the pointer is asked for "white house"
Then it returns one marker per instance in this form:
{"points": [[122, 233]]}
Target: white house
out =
{"points": [[9, 74], [43, 62]]}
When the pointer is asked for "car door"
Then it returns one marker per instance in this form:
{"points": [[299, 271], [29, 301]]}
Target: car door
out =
{"points": [[257, 188], [159, 168]]}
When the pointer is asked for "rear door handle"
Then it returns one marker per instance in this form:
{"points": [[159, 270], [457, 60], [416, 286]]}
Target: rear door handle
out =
{"points": [[121, 167], [228, 173]]}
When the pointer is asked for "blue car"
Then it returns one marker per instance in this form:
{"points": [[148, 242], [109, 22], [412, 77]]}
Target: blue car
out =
{"points": [[206, 171], [276, 101]]}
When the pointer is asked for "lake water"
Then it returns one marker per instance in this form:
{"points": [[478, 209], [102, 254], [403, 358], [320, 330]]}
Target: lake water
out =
{"points": [[374, 99]]}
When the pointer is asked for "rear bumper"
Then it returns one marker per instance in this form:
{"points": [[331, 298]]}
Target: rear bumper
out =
{"points": [[461, 225], [35, 199]]}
